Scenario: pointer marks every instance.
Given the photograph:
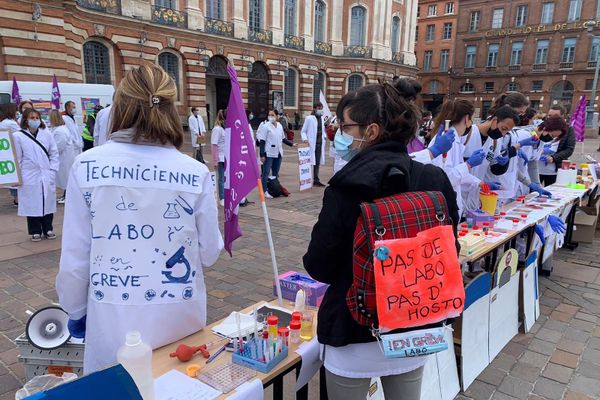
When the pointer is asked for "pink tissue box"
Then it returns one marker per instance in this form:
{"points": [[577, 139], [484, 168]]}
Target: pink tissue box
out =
{"points": [[293, 281]]}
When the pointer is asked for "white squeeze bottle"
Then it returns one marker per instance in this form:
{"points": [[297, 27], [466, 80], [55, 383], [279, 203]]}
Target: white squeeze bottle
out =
{"points": [[136, 358]]}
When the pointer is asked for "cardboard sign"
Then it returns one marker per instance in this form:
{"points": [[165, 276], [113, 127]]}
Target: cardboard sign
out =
{"points": [[305, 168], [9, 167], [87, 106], [418, 281], [44, 107]]}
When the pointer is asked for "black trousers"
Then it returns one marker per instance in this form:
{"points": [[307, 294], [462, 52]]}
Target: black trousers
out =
{"points": [[87, 144], [317, 163], [199, 156], [547, 179], [40, 225]]}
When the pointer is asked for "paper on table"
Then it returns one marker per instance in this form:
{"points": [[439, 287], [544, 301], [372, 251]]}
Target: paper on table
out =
{"points": [[252, 390], [229, 327], [175, 385], [309, 351]]}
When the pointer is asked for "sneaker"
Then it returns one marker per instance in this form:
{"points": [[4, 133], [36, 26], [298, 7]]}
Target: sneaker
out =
{"points": [[36, 238], [222, 203], [61, 200], [50, 235], [268, 196]]}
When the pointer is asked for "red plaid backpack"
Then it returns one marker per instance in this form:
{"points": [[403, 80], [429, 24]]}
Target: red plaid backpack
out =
{"points": [[398, 216]]}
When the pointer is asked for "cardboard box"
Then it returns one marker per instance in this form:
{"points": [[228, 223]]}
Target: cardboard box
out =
{"points": [[586, 219], [293, 281]]}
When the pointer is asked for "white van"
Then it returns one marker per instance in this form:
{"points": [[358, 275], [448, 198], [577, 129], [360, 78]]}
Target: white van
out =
{"points": [[84, 95]]}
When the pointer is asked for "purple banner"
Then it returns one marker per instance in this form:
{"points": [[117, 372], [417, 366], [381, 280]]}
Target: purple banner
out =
{"points": [[578, 119], [15, 96], [55, 99], [241, 166]]}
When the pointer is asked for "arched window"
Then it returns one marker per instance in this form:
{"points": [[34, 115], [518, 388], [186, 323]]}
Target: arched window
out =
{"points": [[467, 88], [319, 86], [255, 12], [512, 87], [290, 87], [172, 4], [96, 62], [319, 21], [214, 9], [357, 26], [395, 34], [355, 82], [290, 17], [170, 63], [434, 87]]}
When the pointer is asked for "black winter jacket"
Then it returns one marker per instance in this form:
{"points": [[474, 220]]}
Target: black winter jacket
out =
{"points": [[329, 255]]}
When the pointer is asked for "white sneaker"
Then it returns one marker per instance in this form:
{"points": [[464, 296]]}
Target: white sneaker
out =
{"points": [[61, 200], [50, 235], [36, 238], [268, 196], [222, 203]]}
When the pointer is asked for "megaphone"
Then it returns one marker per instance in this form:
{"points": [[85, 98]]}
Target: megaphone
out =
{"points": [[47, 328]]}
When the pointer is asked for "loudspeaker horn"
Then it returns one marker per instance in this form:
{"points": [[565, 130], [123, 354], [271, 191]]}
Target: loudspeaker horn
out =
{"points": [[47, 328]]}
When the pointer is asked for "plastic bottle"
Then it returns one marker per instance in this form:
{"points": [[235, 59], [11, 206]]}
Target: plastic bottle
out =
{"points": [[136, 358], [295, 331], [273, 325]]}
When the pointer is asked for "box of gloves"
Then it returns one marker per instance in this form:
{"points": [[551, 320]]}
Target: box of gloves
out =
{"points": [[292, 281]]}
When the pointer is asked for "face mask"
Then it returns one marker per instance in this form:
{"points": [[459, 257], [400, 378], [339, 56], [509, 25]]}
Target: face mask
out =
{"points": [[546, 138], [318, 113], [271, 119], [33, 124], [342, 142], [495, 134], [74, 111]]}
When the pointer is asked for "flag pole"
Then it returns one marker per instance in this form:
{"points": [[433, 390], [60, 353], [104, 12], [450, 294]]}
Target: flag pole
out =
{"points": [[270, 239]]}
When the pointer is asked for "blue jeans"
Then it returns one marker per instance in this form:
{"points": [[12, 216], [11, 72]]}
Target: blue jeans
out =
{"points": [[272, 165], [221, 177]]}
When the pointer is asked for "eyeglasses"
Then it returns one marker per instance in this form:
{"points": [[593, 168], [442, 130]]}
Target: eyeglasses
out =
{"points": [[343, 125]]}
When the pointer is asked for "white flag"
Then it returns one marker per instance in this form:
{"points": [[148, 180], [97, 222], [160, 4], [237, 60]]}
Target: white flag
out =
{"points": [[326, 110]]}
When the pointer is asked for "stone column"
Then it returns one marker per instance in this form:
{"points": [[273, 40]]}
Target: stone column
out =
{"points": [[336, 14], [137, 8], [195, 15], [275, 25], [240, 25], [408, 37], [309, 15]]}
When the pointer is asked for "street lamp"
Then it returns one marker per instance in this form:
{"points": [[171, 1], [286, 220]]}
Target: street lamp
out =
{"points": [[590, 29]]}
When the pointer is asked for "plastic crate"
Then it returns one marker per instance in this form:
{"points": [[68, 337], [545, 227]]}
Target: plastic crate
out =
{"points": [[245, 360], [67, 358]]}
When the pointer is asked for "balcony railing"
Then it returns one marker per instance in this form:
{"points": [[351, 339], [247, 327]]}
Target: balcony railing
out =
{"points": [[566, 65], [323, 48], [398, 58], [490, 68], [469, 69], [169, 16], [107, 6], [539, 67], [514, 67], [218, 27], [591, 64], [260, 36], [358, 51], [293, 42]]}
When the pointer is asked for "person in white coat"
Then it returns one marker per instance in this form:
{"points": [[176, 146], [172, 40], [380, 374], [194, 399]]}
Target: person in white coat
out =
{"points": [[67, 150], [102, 126], [69, 118], [197, 132], [313, 133], [217, 150], [271, 137], [140, 226], [8, 122], [37, 156]]}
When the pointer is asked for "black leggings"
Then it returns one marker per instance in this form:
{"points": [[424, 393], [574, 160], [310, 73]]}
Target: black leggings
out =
{"points": [[40, 225]]}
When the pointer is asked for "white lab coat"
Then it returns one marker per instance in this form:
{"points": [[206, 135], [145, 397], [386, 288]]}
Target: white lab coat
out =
{"points": [[9, 125], [217, 137], [196, 124], [130, 209], [273, 136], [37, 194], [67, 151], [456, 169], [507, 180], [75, 132], [309, 133], [521, 168], [102, 126]]}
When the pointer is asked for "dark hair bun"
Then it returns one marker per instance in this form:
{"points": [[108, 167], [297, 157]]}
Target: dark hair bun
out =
{"points": [[408, 88]]}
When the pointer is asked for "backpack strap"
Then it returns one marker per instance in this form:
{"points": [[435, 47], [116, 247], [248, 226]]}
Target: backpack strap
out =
{"points": [[30, 136], [437, 205], [379, 228]]}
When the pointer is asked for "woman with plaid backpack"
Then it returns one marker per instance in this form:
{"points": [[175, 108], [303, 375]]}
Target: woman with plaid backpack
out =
{"points": [[376, 123]]}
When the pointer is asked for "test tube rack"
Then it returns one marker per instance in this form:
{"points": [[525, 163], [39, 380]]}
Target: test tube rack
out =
{"points": [[244, 358]]}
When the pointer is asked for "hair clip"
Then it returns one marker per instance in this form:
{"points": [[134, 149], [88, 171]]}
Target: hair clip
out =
{"points": [[154, 100]]}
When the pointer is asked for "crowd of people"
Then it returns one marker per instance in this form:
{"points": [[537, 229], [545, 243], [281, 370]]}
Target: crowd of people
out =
{"points": [[118, 190]]}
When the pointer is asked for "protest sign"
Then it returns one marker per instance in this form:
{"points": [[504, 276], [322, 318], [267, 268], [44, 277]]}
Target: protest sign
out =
{"points": [[304, 168], [44, 107], [87, 106], [420, 282], [9, 168]]}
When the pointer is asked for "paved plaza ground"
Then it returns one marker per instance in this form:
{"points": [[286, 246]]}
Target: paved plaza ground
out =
{"points": [[559, 359]]}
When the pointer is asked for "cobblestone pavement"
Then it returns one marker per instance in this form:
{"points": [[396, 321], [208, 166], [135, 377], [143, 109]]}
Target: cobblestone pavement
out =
{"points": [[559, 359]]}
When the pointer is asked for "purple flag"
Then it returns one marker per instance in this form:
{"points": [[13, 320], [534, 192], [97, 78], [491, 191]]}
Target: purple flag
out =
{"points": [[55, 94], [241, 166], [15, 96], [578, 119]]}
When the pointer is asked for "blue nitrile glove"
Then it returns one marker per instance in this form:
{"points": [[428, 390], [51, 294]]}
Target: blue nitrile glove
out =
{"points": [[77, 327], [539, 230], [548, 150], [494, 185], [530, 141], [522, 155], [443, 142], [476, 158], [557, 224], [502, 160], [536, 187], [544, 159]]}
